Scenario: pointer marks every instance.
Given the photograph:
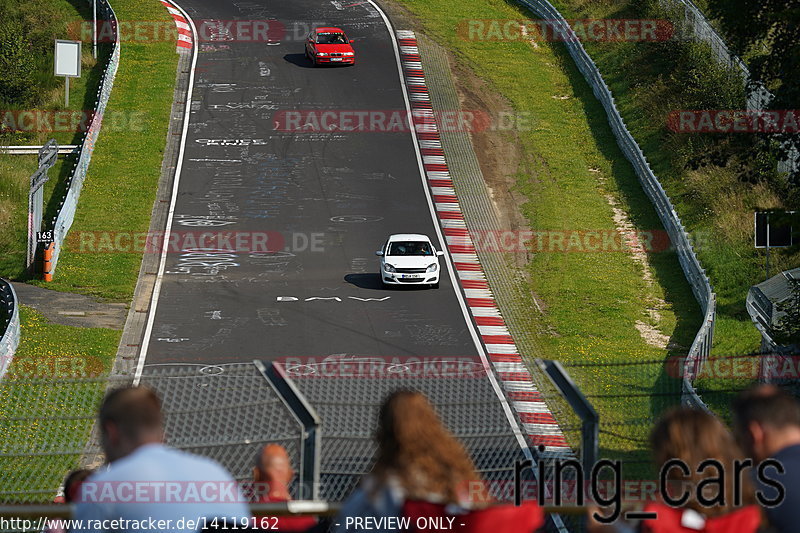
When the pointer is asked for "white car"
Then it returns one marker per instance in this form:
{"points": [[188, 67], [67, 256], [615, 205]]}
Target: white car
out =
{"points": [[408, 258]]}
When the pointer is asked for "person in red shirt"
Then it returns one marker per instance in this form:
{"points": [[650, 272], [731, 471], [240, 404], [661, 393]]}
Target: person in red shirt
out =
{"points": [[72, 485], [683, 441], [272, 475]]}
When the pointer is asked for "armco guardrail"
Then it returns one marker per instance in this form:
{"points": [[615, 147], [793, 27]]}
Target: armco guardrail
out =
{"points": [[695, 275], [9, 325], [33, 150], [66, 211]]}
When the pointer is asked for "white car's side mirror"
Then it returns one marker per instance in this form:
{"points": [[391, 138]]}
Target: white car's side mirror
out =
{"points": [[379, 253], [440, 253]]}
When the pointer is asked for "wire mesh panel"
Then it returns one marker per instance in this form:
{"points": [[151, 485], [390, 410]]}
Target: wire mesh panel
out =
{"points": [[347, 394], [225, 412], [47, 425]]}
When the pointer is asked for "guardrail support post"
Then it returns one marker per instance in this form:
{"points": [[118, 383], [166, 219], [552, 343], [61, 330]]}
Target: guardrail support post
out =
{"points": [[47, 267], [304, 413], [590, 421]]}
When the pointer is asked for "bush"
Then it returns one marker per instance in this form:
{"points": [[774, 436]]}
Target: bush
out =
{"points": [[17, 65]]}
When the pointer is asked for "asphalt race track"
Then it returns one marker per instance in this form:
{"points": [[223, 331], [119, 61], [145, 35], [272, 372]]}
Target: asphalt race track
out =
{"points": [[325, 201]]}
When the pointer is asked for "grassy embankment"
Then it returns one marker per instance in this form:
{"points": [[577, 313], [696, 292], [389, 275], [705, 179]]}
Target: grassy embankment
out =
{"points": [[571, 165], [118, 195]]}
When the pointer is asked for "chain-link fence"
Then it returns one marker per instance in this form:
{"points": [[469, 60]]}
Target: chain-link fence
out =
{"points": [[631, 395], [228, 412], [348, 405], [62, 221], [695, 275], [692, 24]]}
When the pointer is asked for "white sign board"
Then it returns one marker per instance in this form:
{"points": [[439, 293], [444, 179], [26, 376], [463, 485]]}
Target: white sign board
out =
{"points": [[68, 58]]}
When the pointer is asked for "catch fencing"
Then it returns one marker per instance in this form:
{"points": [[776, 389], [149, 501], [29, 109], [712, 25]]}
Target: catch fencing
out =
{"points": [[228, 412], [9, 325], [48, 411], [695, 275], [67, 206], [695, 25]]}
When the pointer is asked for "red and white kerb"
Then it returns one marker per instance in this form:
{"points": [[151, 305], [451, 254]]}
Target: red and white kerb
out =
{"points": [[538, 422], [184, 30]]}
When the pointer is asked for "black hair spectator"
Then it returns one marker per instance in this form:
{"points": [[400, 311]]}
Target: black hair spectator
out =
{"points": [[767, 424]]}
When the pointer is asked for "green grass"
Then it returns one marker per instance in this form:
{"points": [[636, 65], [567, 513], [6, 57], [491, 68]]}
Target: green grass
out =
{"points": [[57, 17], [15, 173], [648, 82], [120, 190], [46, 414], [47, 420], [712, 201], [591, 300]]}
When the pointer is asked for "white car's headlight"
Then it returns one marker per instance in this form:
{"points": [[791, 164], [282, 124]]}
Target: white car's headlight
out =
{"points": [[432, 267], [389, 268]]}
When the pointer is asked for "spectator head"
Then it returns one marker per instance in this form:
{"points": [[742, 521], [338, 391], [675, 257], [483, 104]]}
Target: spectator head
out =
{"points": [[415, 448], [273, 471], [130, 417], [693, 436], [766, 419], [73, 482]]}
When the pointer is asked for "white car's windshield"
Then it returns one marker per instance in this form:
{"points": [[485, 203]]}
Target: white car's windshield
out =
{"points": [[331, 38], [410, 248]]}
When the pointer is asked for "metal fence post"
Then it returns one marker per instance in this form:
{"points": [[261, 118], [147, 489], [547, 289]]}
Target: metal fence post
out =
{"points": [[47, 158], [306, 416], [590, 421]]}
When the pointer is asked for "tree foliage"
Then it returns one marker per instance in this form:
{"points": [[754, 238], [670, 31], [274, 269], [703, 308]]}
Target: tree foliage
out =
{"points": [[767, 33], [17, 65]]}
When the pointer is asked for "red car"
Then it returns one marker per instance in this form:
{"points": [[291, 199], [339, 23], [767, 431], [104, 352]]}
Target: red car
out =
{"points": [[329, 46]]}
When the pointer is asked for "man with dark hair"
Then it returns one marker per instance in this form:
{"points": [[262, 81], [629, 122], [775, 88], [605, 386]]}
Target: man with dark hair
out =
{"points": [[767, 424], [148, 486]]}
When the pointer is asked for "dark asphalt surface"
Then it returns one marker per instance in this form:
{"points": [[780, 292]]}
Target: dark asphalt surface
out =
{"points": [[326, 200]]}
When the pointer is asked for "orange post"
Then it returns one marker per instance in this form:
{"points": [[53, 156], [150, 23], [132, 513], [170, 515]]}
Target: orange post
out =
{"points": [[48, 261]]}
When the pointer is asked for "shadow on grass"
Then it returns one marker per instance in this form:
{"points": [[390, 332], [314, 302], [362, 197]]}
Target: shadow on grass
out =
{"points": [[664, 265], [94, 77]]}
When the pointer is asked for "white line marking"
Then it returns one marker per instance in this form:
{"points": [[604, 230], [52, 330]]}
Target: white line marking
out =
{"points": [[179, 167], [467, 318]]}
